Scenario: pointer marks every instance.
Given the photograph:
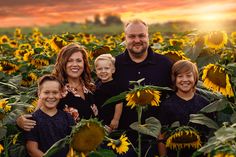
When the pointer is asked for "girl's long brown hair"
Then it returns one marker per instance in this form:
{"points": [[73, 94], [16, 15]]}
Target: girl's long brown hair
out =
{"points": [[62, 59]]}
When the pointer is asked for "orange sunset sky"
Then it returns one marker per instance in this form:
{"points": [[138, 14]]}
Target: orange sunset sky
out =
{"points": [[46, 12]]}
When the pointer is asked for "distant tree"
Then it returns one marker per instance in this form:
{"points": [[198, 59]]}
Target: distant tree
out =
{"points": [[112, 19], [97, 20]]}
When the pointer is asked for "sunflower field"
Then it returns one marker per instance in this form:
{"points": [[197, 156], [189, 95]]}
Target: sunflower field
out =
{"points": [[26, 57]]}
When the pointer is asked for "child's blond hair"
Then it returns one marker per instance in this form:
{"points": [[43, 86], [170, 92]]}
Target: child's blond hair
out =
{"points": [[106, 56]]}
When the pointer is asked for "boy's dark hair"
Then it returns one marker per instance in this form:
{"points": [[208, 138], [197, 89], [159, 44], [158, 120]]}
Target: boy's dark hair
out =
{"points": [[48, 77]]}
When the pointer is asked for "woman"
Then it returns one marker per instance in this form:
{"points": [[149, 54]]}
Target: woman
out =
{"points": [[72, 68]]}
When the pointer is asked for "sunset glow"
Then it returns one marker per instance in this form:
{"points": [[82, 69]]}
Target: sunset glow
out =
{"points": [[46, 12]]}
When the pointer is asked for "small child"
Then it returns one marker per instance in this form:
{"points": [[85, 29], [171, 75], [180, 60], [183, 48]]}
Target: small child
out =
{"points": [[51, 124], [105, 89], [183, 102]]}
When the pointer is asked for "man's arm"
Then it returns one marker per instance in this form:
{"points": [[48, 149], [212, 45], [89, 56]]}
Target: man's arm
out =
{"points": [[32, 148]]}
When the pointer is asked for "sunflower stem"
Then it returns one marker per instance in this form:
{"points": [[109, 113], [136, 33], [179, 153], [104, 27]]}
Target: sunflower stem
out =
{"points": [[139, 134], [178, 153]]}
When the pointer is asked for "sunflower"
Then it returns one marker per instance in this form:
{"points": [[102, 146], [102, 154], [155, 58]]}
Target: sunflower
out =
{"points": [[19, 54], [18, 34], [39, 60], [157, 38], [25, 46], [1, 148], [13, 44], [87, 135], [57, 43], [73, 153], [121, 145], [233, 37], [29, 79], [143, 96], [223, 151], [100, 50], [32, 107], [177, 42], [175, 55], [8, 67], [4, 108], [216, 39], [184, 137], [216, 78], [4, 39]]}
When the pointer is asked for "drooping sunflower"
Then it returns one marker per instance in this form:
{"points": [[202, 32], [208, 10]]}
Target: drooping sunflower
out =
{"points": [[184, 137], [216, 39], [143, 96], [87, 135], [121, 145], [175, 55], [7, 67], [57, 43], [98, 51], [39, 60], [217, 79]]}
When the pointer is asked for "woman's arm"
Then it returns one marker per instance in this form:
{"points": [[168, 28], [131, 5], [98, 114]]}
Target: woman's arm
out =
{"points": [[25, 123], [33, 150], [116, 118]]}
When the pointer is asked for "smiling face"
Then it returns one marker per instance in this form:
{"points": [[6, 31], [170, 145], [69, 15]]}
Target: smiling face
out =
{"points": [[185, 82], [104, 70], [136, 35], [50, 94], [75, 65]]}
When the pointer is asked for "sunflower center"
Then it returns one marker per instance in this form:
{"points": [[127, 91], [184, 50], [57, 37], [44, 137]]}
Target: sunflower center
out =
{"points": [[145, 98], [185, 138], [217, 38], [217, 76]]}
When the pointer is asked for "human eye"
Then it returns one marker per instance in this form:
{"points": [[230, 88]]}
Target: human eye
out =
{"points": [[141, 35], [131, 36]]}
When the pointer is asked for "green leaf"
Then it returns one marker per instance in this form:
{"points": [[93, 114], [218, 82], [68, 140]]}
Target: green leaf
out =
{"points": [[11, 117], [203, 120], [57, 146], [102, 153], [151, 127], [226, 134], [3, 131], [217, 105], [233, 118], [116, 98]]}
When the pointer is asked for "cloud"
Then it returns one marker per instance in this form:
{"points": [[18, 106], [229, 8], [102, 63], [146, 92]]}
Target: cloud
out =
{"points": [[55, 11]]}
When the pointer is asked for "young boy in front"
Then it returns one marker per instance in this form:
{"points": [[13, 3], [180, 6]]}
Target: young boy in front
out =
{"points": [[51, 124], [105, 89], [182, 103]]}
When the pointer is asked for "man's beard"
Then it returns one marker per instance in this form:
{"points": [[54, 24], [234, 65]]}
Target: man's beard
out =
{"points": [[138, 53]]}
